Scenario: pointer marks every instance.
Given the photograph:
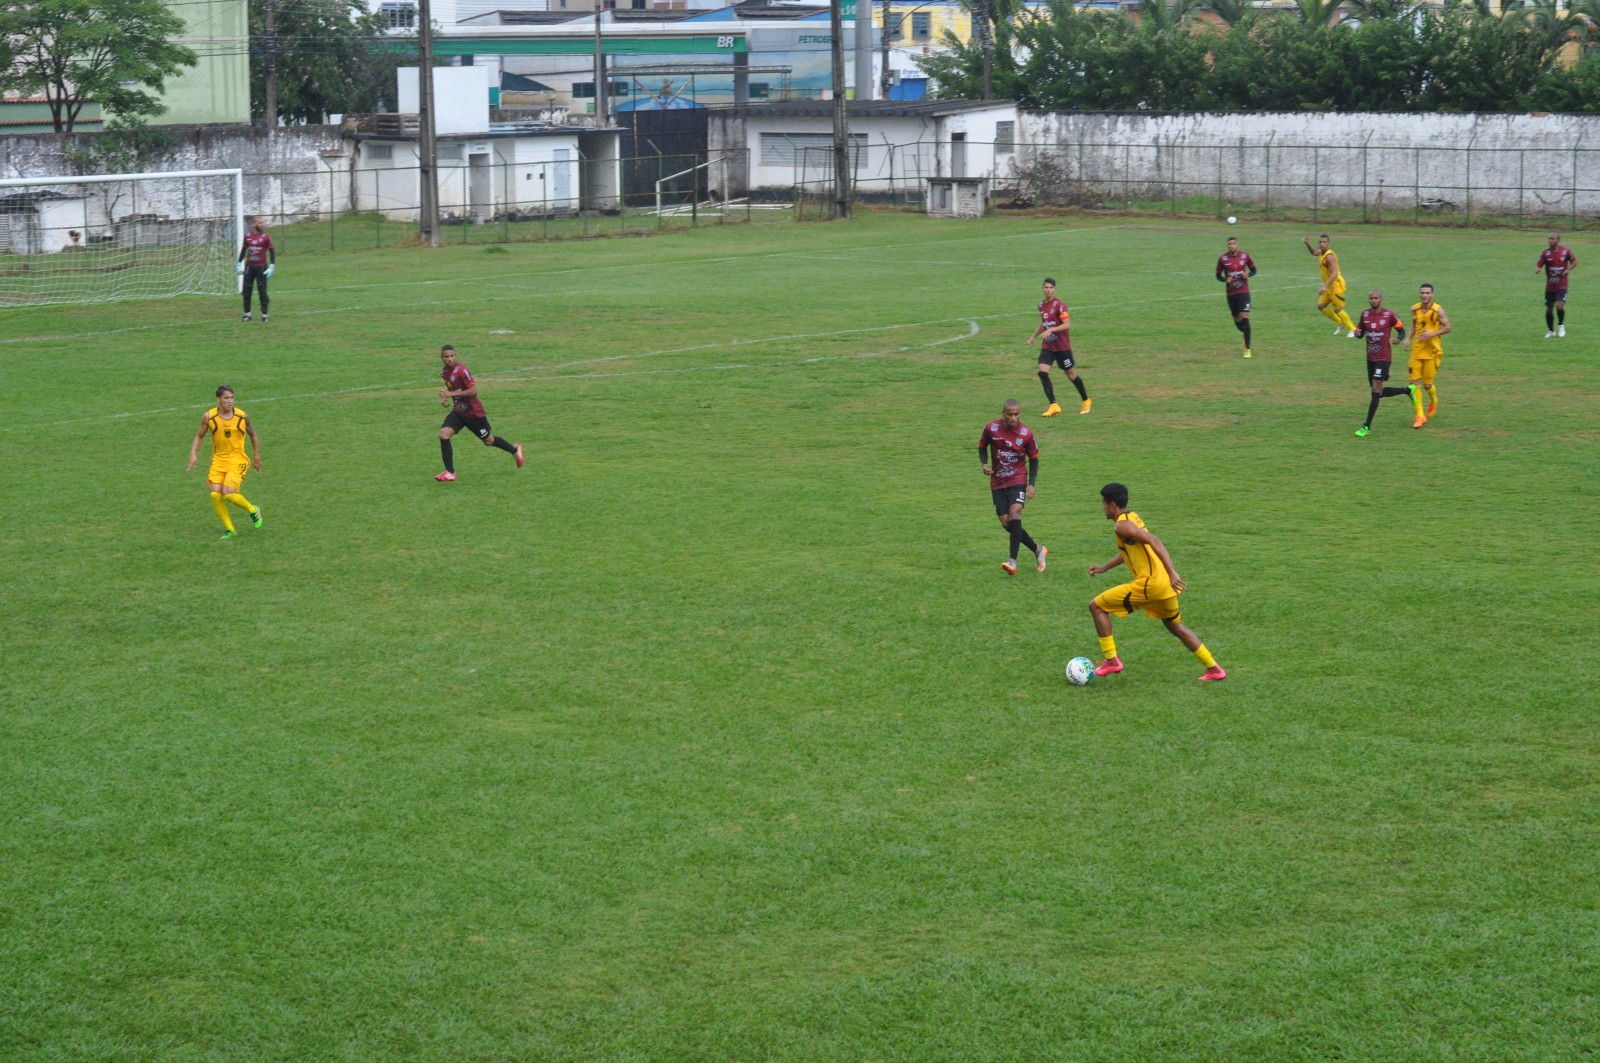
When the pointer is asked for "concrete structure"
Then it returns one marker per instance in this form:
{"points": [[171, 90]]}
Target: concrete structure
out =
{"points": [[898, 144], [217, 90], [484, 171], [1503, 163]]}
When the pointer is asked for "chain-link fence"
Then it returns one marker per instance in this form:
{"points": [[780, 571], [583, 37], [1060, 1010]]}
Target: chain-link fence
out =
{"points": [[483, 201], [1459, 186]]}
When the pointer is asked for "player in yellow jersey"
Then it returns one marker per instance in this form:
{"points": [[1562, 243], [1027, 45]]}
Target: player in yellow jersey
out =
{"points": [[1428, 323], [1154, 586], [227, 425], [1331, 296]]}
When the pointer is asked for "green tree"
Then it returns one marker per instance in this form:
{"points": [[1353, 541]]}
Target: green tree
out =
{"points": [[332, 56], [116, 52], [1480, 63], [1574, 90]]}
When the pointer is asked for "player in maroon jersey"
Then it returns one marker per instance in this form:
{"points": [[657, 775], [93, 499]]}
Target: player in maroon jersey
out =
{"points": [[1054, 327], [1235, 268], [1375, 325], [1557, 263], [460, 394], [1001, 449], [257, 260]]}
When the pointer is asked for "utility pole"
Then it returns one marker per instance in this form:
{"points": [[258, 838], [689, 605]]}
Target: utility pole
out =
{"points": [[841, 123], [863, 24], [988, 49], [269, 40], [427, 149], [600, 86], [883, 73]]}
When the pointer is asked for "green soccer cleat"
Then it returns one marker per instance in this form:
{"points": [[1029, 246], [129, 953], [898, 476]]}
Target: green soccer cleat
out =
{"points": [[1363, 430], [255, 517], [227, 535]]}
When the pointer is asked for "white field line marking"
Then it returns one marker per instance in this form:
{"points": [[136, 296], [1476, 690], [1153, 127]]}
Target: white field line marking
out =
{"points": [[972, 330], [509, 279], [554, 369]]}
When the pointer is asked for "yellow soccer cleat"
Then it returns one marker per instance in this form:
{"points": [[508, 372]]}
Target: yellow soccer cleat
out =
{"points": [[1053, 409], [1085, 408]]}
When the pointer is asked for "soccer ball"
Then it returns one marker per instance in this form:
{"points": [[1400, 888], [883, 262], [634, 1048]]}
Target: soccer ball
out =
{"points": [[1232, 220], [1080, 671]]}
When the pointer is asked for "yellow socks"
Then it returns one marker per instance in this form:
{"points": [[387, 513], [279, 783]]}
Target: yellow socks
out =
{"points": [[1416, 398], [239, 500], [1344, 319], [1108, 647], [222, 510], [1433, 395], [1203, 655], [1330, 313]]}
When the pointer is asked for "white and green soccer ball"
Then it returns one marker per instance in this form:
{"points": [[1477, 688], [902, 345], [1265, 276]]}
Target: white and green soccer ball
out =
{"points": [[1080, 671]]}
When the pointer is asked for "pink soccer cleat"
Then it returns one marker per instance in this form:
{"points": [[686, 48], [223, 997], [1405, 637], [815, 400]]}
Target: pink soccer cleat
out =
{"points": [[518, 453], [1213, 673], [1109, 666], [446, 477]]}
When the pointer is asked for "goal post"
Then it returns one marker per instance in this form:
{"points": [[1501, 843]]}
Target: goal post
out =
{"points": [[119, 236]]}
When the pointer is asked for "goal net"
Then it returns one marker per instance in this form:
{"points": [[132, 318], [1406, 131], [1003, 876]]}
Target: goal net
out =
{"points": [[121, 236]]}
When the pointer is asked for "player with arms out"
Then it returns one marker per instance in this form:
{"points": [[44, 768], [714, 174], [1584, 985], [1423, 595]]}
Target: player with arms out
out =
{"points": [[1331, 296], [460, 396], [1154, 586], [1428, 323], [1557, 263], [258, 258], [1375, 325], [227, 425], [1234, 269], [1054, 329], [1001, 450]]}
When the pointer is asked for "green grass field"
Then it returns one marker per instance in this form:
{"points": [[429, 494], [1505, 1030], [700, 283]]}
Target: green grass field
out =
{"points": [[717, 733]]}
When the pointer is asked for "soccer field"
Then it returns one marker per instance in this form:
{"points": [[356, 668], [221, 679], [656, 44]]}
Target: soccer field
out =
{"points": [[717, 733]]}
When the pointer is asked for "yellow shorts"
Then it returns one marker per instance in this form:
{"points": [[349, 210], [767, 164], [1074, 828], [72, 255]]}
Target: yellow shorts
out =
{"points": [[1124, 599], [1424, 363], [230, 474], [1335, 299]]}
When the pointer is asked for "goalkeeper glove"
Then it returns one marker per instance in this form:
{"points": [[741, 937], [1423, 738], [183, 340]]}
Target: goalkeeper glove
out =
{"points": [[271, 268], [238, 267]]}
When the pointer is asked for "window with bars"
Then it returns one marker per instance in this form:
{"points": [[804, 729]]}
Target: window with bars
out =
{"points": [[785, 149], [398, 16], [921, 26], [1005, 138]]}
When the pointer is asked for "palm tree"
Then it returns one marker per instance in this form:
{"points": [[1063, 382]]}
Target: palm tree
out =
{"points": [[1159, 15], [1547, 22], [1233, 12], [1318, 12]]}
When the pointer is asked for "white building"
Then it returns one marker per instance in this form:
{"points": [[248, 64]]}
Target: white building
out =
{"points": [[483, 171]]}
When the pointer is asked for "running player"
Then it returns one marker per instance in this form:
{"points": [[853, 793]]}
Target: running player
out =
{"points": [[1054, 326], [1010, 441], [1235, 268], [1428, 323], [1331, 296], [227, 425], [1154, 586], [1557, 263], [460, 396], [1376, 323], [257, 260]]}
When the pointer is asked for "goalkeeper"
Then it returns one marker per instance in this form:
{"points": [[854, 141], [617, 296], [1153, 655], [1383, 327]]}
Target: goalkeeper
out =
{"points": [[257, 259]]}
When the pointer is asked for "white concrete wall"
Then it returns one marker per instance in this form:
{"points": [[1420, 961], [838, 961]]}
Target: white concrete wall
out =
{"points": [[460, 97], [900, 152], [1531, 164]]}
